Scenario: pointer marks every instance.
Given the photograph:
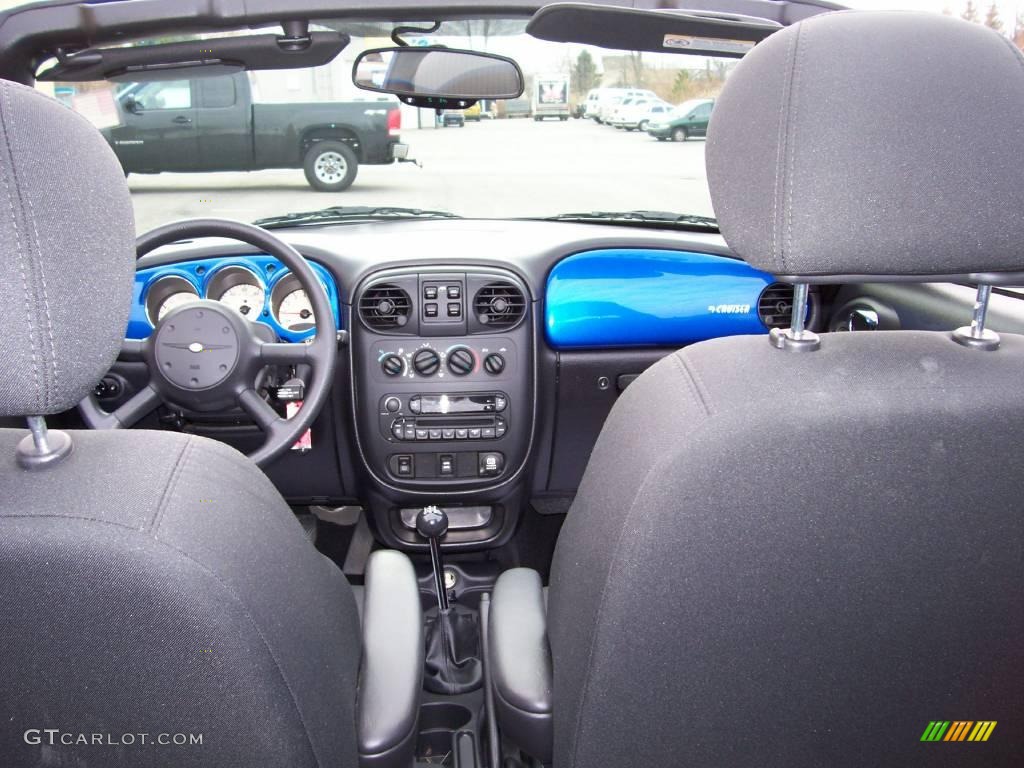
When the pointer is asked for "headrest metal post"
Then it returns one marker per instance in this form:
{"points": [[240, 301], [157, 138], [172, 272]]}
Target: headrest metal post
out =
{"points": [[796, 338], [977, 336], [42, 448]]}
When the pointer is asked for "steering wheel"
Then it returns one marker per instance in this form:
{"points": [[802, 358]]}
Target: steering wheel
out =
{"points": [[204, 356]]}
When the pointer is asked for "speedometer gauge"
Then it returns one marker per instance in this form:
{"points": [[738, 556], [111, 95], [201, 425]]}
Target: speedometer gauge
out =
{"points": [[239, 288], [295, 312], [245, 299]]}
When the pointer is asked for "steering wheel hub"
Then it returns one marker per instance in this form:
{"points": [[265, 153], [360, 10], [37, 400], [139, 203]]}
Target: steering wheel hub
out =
{"points": [[196, 347]]}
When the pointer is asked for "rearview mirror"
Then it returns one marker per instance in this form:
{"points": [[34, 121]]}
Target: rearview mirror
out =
{"points": [[431, 77]]}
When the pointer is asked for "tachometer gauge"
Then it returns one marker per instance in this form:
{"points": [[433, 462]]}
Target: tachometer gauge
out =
{"points": [[166, 294], [174, 301], [295, 312], [245, 299]]}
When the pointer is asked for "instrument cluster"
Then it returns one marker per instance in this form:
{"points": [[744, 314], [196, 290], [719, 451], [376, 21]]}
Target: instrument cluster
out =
{"points": [[259, 288]]}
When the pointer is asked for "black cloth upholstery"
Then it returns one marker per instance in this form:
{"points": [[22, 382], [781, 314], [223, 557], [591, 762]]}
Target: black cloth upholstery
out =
{"points": [[872, 143], [158, 583], [797, 559], [67, 246]]}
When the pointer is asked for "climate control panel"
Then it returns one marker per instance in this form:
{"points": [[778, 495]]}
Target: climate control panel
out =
{"points": [[474, 360]]}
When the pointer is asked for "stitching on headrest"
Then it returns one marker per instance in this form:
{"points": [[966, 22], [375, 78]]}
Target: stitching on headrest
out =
{"points": [[23, 266]]}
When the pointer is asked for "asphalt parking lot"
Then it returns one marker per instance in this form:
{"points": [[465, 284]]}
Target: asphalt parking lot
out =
{"points": [[501, 168]]}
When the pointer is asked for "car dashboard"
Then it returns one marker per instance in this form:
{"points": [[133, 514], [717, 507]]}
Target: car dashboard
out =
{"points": [[482, 355]]}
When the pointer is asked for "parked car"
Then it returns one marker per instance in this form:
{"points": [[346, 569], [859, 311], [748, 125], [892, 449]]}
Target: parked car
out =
{"points": [[689, 120], [632, 112], [609, 98], [212, 124], [551, 98], [517, 108], [453, 117]]}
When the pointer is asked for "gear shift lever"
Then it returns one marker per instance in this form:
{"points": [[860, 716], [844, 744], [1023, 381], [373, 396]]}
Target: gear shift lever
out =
{"points": [[432, 524], [452, 660]]}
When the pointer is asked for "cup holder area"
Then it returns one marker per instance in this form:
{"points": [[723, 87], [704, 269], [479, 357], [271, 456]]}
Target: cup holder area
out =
{"points": [[438, 723]]}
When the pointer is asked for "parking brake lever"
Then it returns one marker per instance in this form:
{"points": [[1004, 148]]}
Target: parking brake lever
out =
{"points": [[432, 524]]}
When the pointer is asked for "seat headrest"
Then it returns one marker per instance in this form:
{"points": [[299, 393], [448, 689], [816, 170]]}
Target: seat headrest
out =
{"points": [[873, 143], [67, 254]]}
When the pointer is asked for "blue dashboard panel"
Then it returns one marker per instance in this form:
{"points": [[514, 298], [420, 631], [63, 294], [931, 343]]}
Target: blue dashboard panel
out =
{"points": [[626, 297], [200, 272]]}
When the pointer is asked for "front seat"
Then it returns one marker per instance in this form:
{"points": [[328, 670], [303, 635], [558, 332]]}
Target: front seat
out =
{"points": [[803, 552], [160, 603]]}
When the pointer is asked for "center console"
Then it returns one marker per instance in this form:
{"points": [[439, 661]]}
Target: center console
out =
{"points": [[443, 382]]}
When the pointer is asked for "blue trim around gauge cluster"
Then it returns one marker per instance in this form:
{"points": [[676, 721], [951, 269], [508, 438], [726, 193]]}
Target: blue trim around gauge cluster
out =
{"points": [[624, 297], [199, 273]]}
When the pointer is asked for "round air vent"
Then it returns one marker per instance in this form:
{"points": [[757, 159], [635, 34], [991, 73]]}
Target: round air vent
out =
{"points": [[385, 307], [499, 306], [775, 306]]}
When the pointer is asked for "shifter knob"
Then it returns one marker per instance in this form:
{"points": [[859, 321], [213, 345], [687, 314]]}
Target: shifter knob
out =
{"points": [[432, 522]]}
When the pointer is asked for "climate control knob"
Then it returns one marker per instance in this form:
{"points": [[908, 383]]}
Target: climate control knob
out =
{"points": [[426, 362], [392, 365], [461, 361], [494, 364]]}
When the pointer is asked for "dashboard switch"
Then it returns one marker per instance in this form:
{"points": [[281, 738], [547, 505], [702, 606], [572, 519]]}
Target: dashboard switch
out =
{"points": [[454, 310], [403, 466], [446, 464], [494, 364], [392, 405], [491, 464], [392, 365]]}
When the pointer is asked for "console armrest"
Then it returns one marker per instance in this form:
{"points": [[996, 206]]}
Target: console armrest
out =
{"points": [[521, 662], [391, 673]]}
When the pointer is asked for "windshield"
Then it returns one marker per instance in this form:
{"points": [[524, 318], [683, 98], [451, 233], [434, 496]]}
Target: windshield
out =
{"points": [[584, 137]]}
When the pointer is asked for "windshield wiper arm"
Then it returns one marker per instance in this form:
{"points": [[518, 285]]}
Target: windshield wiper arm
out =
{"points": [[349, 213], [640, 217]]}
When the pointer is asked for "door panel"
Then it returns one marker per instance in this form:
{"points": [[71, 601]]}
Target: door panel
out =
{"points": [[159, 127], [223, 132]]}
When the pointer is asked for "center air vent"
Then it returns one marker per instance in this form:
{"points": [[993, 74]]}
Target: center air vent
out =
{"points": [[499, 306], [775, 306], [385, 307]]}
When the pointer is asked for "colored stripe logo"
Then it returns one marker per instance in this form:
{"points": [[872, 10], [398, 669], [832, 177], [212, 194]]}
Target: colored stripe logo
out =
{"points": [[958, 730]]}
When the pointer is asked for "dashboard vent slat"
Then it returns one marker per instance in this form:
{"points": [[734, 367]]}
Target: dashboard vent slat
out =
{"points": [[499, 305], [385, 307], [775, 306]]}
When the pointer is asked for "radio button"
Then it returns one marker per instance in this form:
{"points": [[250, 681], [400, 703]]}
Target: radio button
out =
{"points": [[398, 429], [422, 434], [474, 434], [487, 432], [500, 403], [392, 405], [448, 434], [435, 434], [461, 434], [410, 432], [414, 404]]}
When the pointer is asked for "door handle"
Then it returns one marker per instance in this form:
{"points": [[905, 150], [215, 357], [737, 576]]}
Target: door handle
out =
{"points": [[182, 120]]}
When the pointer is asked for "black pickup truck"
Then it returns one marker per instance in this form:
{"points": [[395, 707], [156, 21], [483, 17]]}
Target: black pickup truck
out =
{"points": [[212, 124]]}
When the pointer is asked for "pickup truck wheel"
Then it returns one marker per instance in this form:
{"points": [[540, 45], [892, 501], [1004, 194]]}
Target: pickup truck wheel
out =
{"points": [[680, 134], [330, 166]]}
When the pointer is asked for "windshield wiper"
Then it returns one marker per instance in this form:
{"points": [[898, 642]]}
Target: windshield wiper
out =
{"points": [[641, 218], [350, 213]]}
